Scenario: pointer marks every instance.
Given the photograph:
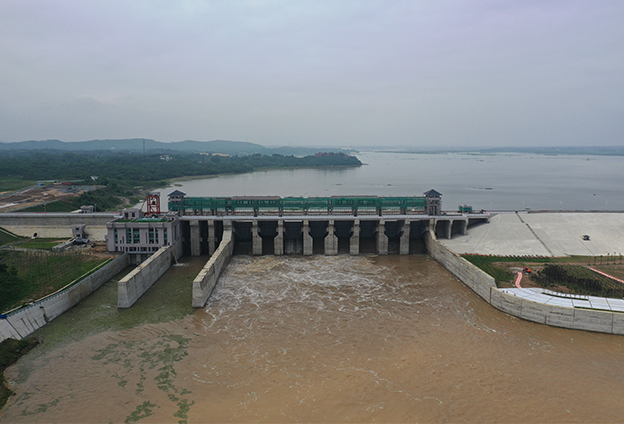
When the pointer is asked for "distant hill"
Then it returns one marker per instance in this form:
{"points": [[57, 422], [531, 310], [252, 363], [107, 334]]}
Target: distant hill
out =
{"points": [[153, 146]]}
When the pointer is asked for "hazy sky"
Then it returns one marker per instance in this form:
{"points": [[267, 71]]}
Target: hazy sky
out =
{"points": [[334, 73]]}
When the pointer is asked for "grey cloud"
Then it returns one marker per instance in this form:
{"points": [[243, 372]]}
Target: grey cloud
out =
{"points": [[324, 72]]}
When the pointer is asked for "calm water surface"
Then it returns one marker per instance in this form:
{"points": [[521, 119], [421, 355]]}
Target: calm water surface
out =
{"points": [[494, 182], [318, 339]]}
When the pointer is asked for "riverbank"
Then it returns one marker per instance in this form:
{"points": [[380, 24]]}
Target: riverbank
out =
{"points": [[10, 351]]}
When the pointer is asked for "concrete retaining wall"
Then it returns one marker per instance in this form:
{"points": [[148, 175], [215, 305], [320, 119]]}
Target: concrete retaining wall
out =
{"points": [[479, 281], [485, 286], [55, 225], [207, 278], [23, 322], [558, 316], [133, 285]]}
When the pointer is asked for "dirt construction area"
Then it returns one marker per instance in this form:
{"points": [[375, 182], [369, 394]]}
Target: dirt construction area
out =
{"points": [[39, 195]]}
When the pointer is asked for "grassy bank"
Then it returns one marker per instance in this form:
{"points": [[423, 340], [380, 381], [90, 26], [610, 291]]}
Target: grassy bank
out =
{"points": [[10, 351], [563, 274], [11, 184], [28, 276], [7, 237]]}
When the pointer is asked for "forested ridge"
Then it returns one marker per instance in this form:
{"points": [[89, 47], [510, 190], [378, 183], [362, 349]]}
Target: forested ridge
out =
{"points": [[127, 175], [151, 167]]}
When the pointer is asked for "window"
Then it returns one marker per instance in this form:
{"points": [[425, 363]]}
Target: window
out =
{"points": [[156, 235], [128, 236], [136, 236], [151, 236], [116, 237], [165, 236]]}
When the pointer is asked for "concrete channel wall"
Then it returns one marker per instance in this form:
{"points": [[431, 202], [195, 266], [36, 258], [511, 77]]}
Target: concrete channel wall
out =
{"points": [[207, 278], [136, 283], [23, 322], [479, 281], [53, 225], [484, 285]]}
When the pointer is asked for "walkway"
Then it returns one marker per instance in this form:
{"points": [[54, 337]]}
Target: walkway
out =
{"points": [[567, 300], [606, 275]]}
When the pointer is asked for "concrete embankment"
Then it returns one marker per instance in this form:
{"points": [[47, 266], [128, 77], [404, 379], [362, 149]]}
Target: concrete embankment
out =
{"points": [[207, 279], [133, 285], [484, 285], [23, 322], [53, 225]]}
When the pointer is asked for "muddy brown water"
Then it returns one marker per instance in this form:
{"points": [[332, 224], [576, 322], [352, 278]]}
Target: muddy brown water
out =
{"points": [[320, 339]]}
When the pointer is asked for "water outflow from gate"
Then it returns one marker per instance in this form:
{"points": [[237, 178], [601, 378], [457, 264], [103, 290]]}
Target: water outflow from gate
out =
{"points": [[358, 339]]}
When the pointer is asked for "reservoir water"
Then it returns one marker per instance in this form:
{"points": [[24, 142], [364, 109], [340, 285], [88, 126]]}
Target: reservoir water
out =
{"points": [[338, 339], [492, 182]]}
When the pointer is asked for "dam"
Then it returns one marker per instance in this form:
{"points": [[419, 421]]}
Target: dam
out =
{"points": [[221, 227], [340, 225]]}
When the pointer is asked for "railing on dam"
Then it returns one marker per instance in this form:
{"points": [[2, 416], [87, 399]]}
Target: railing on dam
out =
{"points": [[274, 205]]}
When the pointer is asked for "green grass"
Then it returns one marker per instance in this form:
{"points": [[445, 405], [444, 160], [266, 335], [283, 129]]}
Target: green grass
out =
{"points": [[58, 206], [569, 272], [7, 237], [12, 184], [41, 243], [40, 273], [501, 274], [579, 279], [486, 264]]}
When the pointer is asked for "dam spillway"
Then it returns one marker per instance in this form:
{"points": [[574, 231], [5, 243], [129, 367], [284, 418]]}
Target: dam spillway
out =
{"points": [[315, 225]]}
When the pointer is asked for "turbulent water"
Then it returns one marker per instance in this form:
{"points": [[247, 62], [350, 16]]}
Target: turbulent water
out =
{"points": [[340, 339]]}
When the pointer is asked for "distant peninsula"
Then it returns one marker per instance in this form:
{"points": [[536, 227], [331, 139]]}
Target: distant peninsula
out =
{"points": [[110, 177], [145, 145]]}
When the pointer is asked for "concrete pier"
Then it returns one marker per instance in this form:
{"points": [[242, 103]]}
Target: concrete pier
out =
{"points": [[279, 239], [354, 242], [256, 240], [308, 242], [195, 238], [207, 279], [405, 238], [315, 234], [212, 241], [382, 238], [331, 241]]}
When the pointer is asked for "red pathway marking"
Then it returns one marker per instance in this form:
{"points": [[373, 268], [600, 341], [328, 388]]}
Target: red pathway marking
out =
{"points": [[518, 278], [606, 275]]}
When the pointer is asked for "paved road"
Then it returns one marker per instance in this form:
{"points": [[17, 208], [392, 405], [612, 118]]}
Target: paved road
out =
{"points": [[544, 234]]}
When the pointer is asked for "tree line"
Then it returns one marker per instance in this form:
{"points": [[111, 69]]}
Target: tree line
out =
{"points": [[135, 167], [120, 173]]}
